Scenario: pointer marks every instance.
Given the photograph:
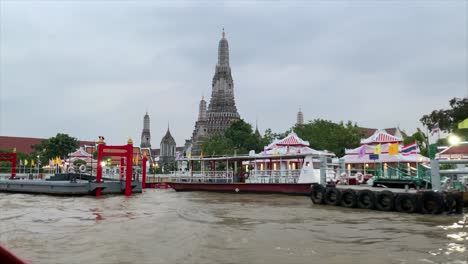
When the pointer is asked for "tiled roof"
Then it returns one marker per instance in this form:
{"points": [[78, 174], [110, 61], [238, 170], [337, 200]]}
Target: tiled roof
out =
{"points": [[24, 144], [460, 149]]}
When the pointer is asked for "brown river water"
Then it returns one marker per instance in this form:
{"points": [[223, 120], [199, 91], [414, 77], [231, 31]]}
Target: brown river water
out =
{"points": [[163, 226]]}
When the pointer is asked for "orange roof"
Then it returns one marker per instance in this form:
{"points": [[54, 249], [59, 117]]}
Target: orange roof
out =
{"points": [[459, 149]]}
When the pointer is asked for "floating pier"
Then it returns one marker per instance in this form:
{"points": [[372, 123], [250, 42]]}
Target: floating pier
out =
{"points": [[78, 187]]}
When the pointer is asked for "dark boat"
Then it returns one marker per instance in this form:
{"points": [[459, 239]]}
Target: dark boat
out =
{"points": [[283, 188]]}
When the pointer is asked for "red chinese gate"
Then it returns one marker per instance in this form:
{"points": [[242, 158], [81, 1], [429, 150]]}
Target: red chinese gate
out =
{"points": [[126, 154], [11, 157]]}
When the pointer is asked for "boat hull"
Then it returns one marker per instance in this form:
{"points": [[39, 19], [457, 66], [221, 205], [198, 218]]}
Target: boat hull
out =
{"points": [[284, 188]]}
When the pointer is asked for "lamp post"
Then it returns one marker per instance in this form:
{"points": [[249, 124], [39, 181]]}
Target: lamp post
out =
{"points": [[38, 165]]}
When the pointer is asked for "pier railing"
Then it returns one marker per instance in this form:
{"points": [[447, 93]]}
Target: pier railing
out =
{"points": [[436, 174], [202, 176], [273, 176]]}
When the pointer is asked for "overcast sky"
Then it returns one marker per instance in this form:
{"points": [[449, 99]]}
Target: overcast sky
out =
{"points": [[93, 68]]}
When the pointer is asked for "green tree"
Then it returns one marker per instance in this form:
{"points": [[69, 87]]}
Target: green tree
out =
{"points": [[59, 146], [239, 138], [448, 119], [217, 145], [421, 140], [327, 135]]}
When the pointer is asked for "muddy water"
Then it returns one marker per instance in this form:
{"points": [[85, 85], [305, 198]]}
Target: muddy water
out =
{"points": [[162, 226]]}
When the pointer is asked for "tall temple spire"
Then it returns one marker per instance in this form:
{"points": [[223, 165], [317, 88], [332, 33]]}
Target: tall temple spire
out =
{"points": [[300, 117], [222, 108], [202, 110], [257, 133], [145, 133], [223, 51]]}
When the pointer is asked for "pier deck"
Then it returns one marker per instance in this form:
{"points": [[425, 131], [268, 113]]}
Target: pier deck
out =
{"points": [[66, 187]]}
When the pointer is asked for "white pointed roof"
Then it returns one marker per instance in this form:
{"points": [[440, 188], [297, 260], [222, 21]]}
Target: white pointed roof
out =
{"points": [[380, 136], [292, 144], [80, 152], [292, 140]]}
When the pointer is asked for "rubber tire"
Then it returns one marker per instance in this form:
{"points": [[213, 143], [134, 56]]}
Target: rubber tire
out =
{"points": [[317, 194], [366, 203], [332, 193], [460, 203], [432, 203], [453, 203], [406, 203], [348, 198], [385, 201]]}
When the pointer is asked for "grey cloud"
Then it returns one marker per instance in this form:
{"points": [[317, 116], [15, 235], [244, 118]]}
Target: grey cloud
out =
{"points": [[377, 63]]}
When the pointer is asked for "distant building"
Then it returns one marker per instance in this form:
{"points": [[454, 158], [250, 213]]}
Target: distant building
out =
{"points": [[257, 133], [300, 118], [459, 151], [146, 134], [222, 108], [167, 153]]}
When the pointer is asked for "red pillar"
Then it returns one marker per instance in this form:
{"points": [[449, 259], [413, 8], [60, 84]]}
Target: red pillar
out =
{"points": [[128, 180], [143, 167], [99, 167]]}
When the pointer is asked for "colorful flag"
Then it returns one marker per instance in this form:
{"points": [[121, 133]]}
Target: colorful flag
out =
{"points": [[32, 163], [411, 148], [393, 149], [435, 129], [362, 151], [463, 124], [21, 163], [25, 162], [377, 149]]}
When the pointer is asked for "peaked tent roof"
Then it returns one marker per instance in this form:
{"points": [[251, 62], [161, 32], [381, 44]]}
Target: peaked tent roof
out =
{"points": [[292, 140], [380, 136], [292, 144]]}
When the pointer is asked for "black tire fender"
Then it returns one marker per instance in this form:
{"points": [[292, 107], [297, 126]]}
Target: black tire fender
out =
{"points": [[432, 203], [406, 203], [366, 199], [317, 194], [332, 196], [453, 203], [460, 203], [349, 198], [385, 201]]}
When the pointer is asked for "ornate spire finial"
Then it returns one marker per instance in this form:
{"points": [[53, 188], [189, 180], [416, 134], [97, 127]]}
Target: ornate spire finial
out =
{"points": [[223, 34], [130, 141], [101, 140]]}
